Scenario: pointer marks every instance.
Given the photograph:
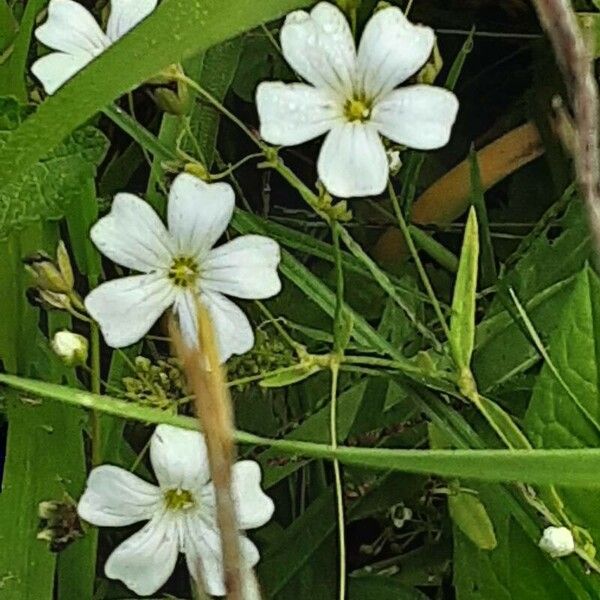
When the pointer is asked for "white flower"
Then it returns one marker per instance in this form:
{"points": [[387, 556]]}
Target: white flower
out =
{"points": [[179, 266], [70, 347], [180, 511], [352, 95], [73, 32], [557, 542]]}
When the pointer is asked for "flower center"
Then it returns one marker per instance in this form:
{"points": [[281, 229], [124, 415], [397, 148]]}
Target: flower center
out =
{"points": [[357, 109], [184, 271], [178, 499]]}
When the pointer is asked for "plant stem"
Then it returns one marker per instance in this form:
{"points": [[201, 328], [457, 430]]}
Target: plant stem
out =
{"points": [[339, 342], [96, 433], [339, 491], [415, 254]]}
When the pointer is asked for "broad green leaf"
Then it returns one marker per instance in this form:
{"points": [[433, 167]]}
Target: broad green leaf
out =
{"points": [[515, 570], [44, 460], [542, 280], [379, 587], [177, 29], [553, 419], [60, 179], [462, 322]]}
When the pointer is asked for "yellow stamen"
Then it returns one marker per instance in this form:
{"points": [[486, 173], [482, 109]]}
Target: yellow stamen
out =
{"points": [[177, 499], [357, 109], [184, 271]]}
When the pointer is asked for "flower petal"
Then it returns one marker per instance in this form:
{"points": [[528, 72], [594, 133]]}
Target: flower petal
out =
{"points": [[132, 235], [353, 161], [293, 113], [186, 310], [391, 50], [199, 213], [126, 14], [245, 268], [127, 308], [179, 458], [232, 329], [319, 46], [56, 68], [72, 29], [114, 497], [254, 508], [419, 116], [144, 562], [204, 557]]}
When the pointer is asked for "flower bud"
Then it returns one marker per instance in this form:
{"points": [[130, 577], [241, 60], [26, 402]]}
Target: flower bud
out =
{"points": [[394, 161], [432, 68], [49, 275], [70, 347], [557, 542]]}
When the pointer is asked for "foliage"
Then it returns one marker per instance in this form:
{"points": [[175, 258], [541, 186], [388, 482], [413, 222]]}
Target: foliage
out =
{"points": [[466, 410]]}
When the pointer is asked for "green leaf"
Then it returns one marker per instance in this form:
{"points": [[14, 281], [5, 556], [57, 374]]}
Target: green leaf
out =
{"points": [[216, 75], [377, 587], [488, 263], [44, 460], [515, 570], [573, 468], [193, 26], [462, 323], [553, 419], [542, 280], [63, 177], [471, 517]]}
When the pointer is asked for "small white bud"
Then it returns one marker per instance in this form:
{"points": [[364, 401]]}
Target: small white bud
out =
{"points": [[394, 161], [70, 347], [557, 542]]}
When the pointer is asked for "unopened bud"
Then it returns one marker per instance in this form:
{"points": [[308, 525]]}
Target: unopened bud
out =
{"points": [[70, 347], [394, 161], [52, 276], [557, 542], [432, 68]]}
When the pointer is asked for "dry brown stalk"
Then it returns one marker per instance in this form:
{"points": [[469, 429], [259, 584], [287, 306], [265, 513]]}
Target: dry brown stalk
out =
{"points": [[560, 23], [206, 381]]}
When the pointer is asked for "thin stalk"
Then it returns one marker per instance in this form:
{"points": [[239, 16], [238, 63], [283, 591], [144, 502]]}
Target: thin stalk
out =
{"points": [[339, 347], [96, 388], [339, 491], [415, 255]]}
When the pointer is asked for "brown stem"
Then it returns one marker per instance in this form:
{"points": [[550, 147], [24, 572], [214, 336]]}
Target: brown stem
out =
{"points": [[560, 23], [213, 408]]}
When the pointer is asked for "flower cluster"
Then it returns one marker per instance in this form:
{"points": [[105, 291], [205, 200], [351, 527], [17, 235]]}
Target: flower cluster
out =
{"points": [[180, 511], [351, 94]]}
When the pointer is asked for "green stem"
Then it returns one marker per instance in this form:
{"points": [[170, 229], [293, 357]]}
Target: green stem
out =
{"points": [[415, 255], [96, 432], [339, 491], [339, 342]]}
